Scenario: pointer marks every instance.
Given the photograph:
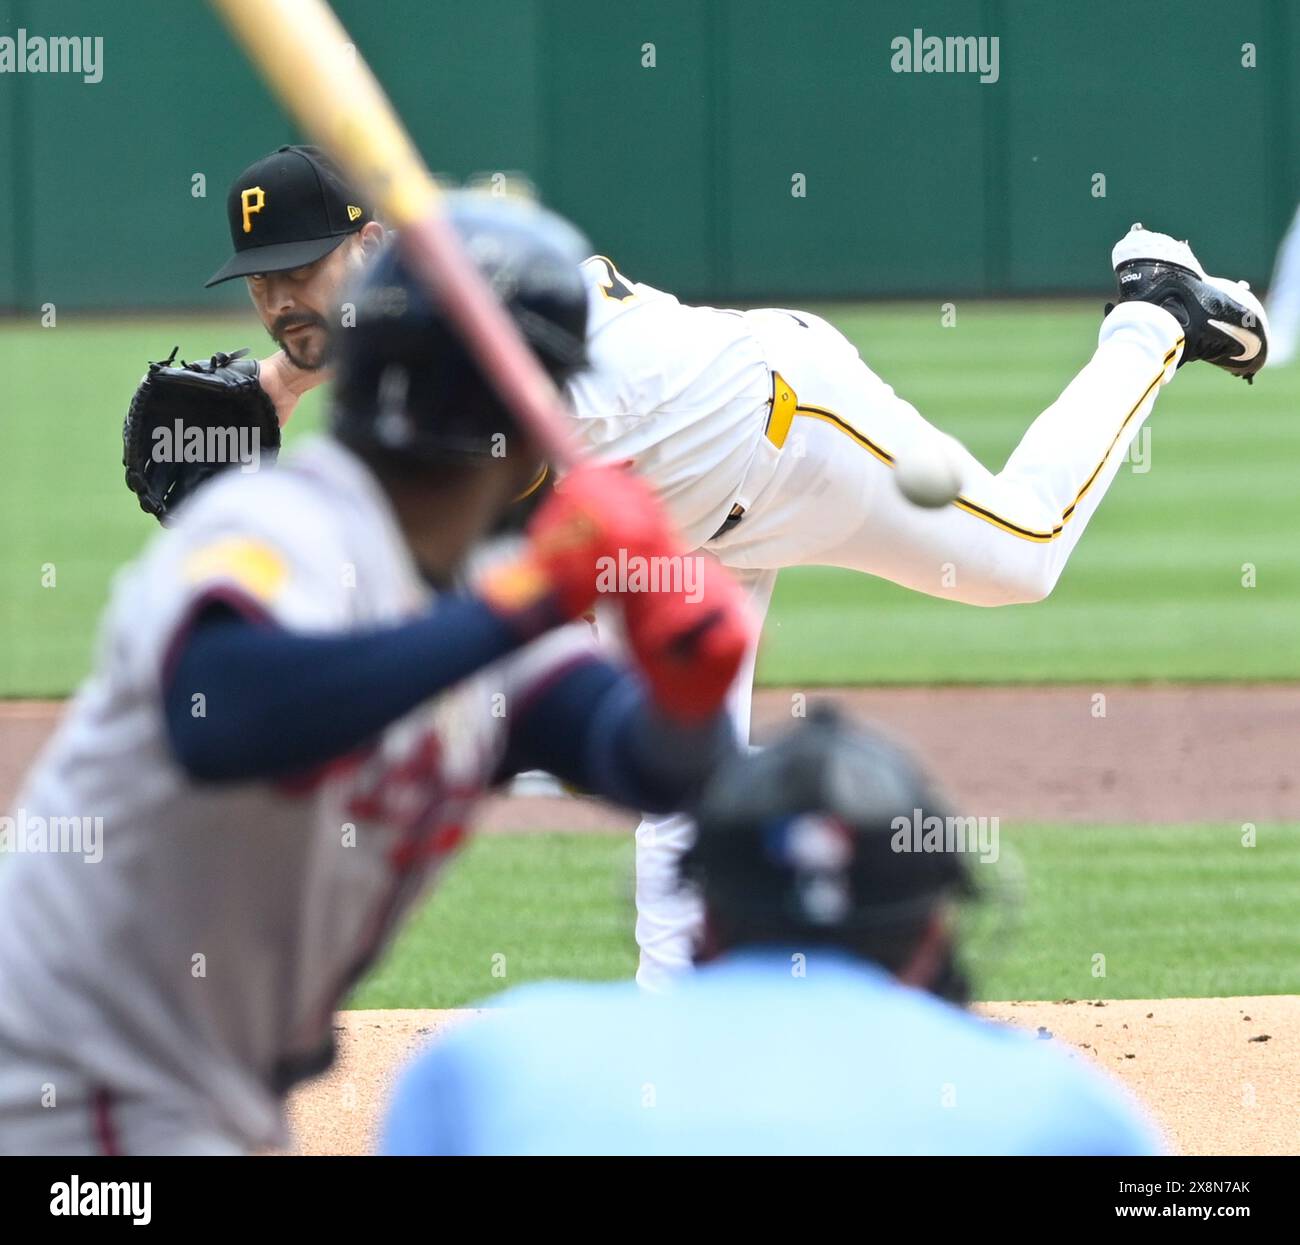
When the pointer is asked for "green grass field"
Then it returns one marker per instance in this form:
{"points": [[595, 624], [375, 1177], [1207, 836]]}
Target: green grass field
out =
{"points": [[1177, 911], [1153, 592]]}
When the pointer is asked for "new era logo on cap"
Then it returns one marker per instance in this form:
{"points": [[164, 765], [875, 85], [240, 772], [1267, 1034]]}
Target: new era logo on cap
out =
{"points": [[287, 210]]}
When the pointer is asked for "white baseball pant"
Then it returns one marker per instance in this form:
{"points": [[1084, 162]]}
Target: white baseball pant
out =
{"points": [[829, 500]]}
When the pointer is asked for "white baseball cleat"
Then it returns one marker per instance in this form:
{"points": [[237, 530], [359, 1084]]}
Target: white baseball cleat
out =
{"points": [[1223, 322]]}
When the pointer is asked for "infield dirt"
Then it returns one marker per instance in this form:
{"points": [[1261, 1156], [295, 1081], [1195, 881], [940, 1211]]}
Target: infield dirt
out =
{"points": [[1158, 754]]}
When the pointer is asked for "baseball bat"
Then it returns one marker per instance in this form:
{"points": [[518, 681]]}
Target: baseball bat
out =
{"points": [[304, 53]]}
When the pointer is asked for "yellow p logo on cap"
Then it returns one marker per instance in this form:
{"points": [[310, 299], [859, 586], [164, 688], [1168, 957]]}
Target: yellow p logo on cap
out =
{"points": [[253, 200]]}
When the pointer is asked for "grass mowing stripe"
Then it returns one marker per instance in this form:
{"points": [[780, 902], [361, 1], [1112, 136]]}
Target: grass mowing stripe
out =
{"points": [[514, 908], [831, 627], [1176, 911], [1172, 911]]}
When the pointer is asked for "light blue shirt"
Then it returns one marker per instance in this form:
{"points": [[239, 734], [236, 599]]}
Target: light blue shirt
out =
{"points": [[746, 1056]]}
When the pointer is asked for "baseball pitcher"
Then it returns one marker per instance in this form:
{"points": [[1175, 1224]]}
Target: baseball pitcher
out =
{"points": [[773, 444], [300, 234]]}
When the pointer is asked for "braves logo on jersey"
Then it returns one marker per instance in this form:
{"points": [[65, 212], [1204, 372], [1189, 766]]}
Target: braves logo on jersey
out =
{"points": [[425, 778], [412, 797]]}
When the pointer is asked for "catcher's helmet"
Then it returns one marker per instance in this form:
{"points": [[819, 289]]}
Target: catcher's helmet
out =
{"points": [[407, 385], [811, 837]]}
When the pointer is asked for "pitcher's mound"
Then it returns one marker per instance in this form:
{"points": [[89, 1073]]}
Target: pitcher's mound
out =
{"points": [[1218, 1074]]}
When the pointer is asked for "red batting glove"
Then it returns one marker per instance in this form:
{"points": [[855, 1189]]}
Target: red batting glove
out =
{"points": [[690, 650], [593, 513]]}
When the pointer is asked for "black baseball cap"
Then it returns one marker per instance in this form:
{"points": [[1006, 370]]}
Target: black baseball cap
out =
{"points": [[288, 209]]}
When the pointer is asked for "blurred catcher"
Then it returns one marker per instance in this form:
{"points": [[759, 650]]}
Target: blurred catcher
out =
{"points": [[298, 705], [823, 1017]]}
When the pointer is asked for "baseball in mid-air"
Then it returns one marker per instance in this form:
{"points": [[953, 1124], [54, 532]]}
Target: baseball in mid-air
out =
{"points": [[929, 471]]}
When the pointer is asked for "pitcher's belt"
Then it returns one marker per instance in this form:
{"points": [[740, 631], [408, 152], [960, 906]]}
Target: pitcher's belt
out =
{"points": [[781, 407]]}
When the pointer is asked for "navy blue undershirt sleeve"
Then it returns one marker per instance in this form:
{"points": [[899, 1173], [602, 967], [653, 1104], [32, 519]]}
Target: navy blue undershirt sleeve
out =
{"points": [[596, 728], [279, 703]]}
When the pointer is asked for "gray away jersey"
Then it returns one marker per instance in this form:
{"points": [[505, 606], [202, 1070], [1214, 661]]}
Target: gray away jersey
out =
{"points": [[200, 961]]}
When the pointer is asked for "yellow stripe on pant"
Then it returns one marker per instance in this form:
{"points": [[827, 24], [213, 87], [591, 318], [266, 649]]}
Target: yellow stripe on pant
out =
{"points": [[786, 405]]}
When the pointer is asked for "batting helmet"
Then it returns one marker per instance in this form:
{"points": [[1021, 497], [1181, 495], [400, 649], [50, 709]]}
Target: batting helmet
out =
{"points": [[407, 385], [811, 837]]}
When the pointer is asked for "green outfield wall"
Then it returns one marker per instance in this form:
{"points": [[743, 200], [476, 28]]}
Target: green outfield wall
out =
{"points": [[730, 149]]}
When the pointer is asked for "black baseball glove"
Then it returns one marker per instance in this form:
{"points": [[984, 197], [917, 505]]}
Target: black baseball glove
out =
{"points": [[188, 423]]}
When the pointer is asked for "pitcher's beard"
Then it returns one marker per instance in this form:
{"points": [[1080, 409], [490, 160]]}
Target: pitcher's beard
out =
{"points": [[316, 359]]}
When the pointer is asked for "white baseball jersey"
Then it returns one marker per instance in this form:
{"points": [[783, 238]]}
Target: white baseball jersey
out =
{"points": [[199, 963], [681, 392]]}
